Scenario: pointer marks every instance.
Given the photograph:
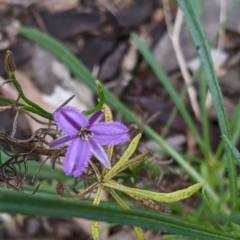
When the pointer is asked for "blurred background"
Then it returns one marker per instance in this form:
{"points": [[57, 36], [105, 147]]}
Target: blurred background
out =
{"points": [[98, 33]]}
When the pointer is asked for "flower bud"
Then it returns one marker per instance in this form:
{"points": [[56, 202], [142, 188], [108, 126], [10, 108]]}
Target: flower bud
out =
{"points": [[9, 62]]}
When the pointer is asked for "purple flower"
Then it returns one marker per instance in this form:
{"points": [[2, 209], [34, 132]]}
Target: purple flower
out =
{"points": [[84, 136]]}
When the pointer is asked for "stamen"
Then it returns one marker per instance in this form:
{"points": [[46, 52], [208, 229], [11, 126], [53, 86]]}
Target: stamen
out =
{"points": [[85, 134]]}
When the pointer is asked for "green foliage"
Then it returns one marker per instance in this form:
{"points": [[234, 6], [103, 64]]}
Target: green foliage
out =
{"points": [[210, 220], [14, 202], [199, 39]]}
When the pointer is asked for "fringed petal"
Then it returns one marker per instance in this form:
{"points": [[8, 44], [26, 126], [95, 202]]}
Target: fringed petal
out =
{"points": [[95, 117], [60, 142], [70, 120], [109, 133], [100, 154], [77, 157]]}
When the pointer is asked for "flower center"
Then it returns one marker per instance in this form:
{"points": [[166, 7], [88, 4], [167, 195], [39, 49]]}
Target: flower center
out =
{"points": [[85, 134]]}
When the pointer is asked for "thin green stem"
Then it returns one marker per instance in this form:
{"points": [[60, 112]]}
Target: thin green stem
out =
{"points": [[24, 107], [101, 100], [204, 113]]}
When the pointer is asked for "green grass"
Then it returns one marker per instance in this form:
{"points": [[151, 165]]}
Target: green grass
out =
{"points": [[216, 217]]}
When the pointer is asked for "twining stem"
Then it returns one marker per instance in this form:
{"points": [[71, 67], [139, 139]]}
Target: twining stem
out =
{"points": [[23, 144], [10, 68], [100, 102]]}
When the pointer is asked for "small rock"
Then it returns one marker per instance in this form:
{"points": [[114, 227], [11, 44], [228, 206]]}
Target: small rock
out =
{"points": [[136, 13], [230, 83], [130, 58], [67, 24], [41, 65], [176, 142], [83, 95], [110, 67], [96, 49]]}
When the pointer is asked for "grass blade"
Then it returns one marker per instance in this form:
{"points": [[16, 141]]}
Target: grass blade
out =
{"points": [[233, 149], [208, 212], [199, 39], [14, 202]]}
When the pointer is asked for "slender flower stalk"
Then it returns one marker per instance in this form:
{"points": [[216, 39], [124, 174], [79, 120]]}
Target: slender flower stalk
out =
{"points": [[85, 137]]}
